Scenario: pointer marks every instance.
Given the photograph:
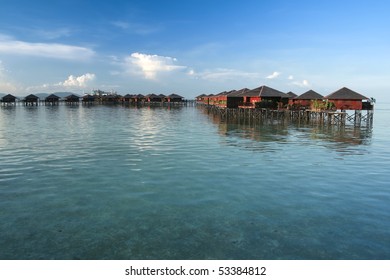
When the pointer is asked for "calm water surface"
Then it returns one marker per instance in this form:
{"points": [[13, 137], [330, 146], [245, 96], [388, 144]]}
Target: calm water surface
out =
{"points": [[105, 182]]}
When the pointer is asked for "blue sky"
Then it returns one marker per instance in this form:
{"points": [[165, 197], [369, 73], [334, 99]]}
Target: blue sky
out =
{"points": [[194, 47]]}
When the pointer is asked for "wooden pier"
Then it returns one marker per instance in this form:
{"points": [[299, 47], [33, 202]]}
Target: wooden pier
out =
{"points": [[257, 115]]}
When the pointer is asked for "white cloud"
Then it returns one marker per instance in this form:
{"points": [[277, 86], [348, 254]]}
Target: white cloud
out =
{"points": [[191, 72], [303, 84], [59, 51], [291, 77], [151, 65], [80, 81], [273, 75], [223, 74]]}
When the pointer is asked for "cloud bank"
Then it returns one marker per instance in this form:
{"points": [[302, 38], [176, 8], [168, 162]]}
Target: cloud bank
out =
{"points": [[5, 85], [73, 82], [224, 74], [52, 50]]}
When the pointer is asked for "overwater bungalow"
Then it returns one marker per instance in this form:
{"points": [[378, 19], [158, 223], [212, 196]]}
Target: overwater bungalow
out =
{"points": [[153, 98], [88, 99], [236, 98], [306, 98], [8, 99], [225, 98], [111, 98], [219, 99], [200, 98], [174, 98], [71, 99], [263, 94], [291, 95], [346, 99], [128, 98], [31, 99], [208, 99], [230, 99], [213, 99], [138, 98], [52, 99]]}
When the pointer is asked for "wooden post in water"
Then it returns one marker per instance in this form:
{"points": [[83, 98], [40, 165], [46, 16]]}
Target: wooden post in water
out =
{"points": [[358, 117]]}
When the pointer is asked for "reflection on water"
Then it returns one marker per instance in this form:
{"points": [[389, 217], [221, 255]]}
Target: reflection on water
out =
{"points": [[343, 139]]}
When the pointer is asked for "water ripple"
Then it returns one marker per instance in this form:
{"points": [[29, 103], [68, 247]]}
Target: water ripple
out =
{"points": [[137, 183]]}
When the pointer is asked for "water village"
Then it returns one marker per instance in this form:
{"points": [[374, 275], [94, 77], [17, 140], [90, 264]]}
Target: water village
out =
{"points": [[263, 103], [341, 107]]}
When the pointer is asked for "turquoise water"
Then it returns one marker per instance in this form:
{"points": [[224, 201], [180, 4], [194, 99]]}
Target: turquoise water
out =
{"points": [[117, 182]]}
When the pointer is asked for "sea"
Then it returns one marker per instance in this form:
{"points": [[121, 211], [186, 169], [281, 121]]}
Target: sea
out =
{"points": [[120, 182]]}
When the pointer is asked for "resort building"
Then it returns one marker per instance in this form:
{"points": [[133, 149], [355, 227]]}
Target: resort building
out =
{"points": [[346, 99], [306, 99], [31, 99], [236, 98], [291, 95], [52, 99], [200, 98], [153, 98], [8, 99], [264, 94], [174, 98], [88, 98], [70, 99], [138, 98]]}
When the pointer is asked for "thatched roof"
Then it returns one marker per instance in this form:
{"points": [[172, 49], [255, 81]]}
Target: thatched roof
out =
{"points": [[265, 91], [309, 95], [345, 93]]}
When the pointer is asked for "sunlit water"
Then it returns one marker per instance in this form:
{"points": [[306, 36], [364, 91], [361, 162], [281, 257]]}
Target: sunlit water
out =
{"points": [[117, 182]]}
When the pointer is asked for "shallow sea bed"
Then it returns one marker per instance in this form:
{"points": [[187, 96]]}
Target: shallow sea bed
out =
{"points": [[113, 182]]}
